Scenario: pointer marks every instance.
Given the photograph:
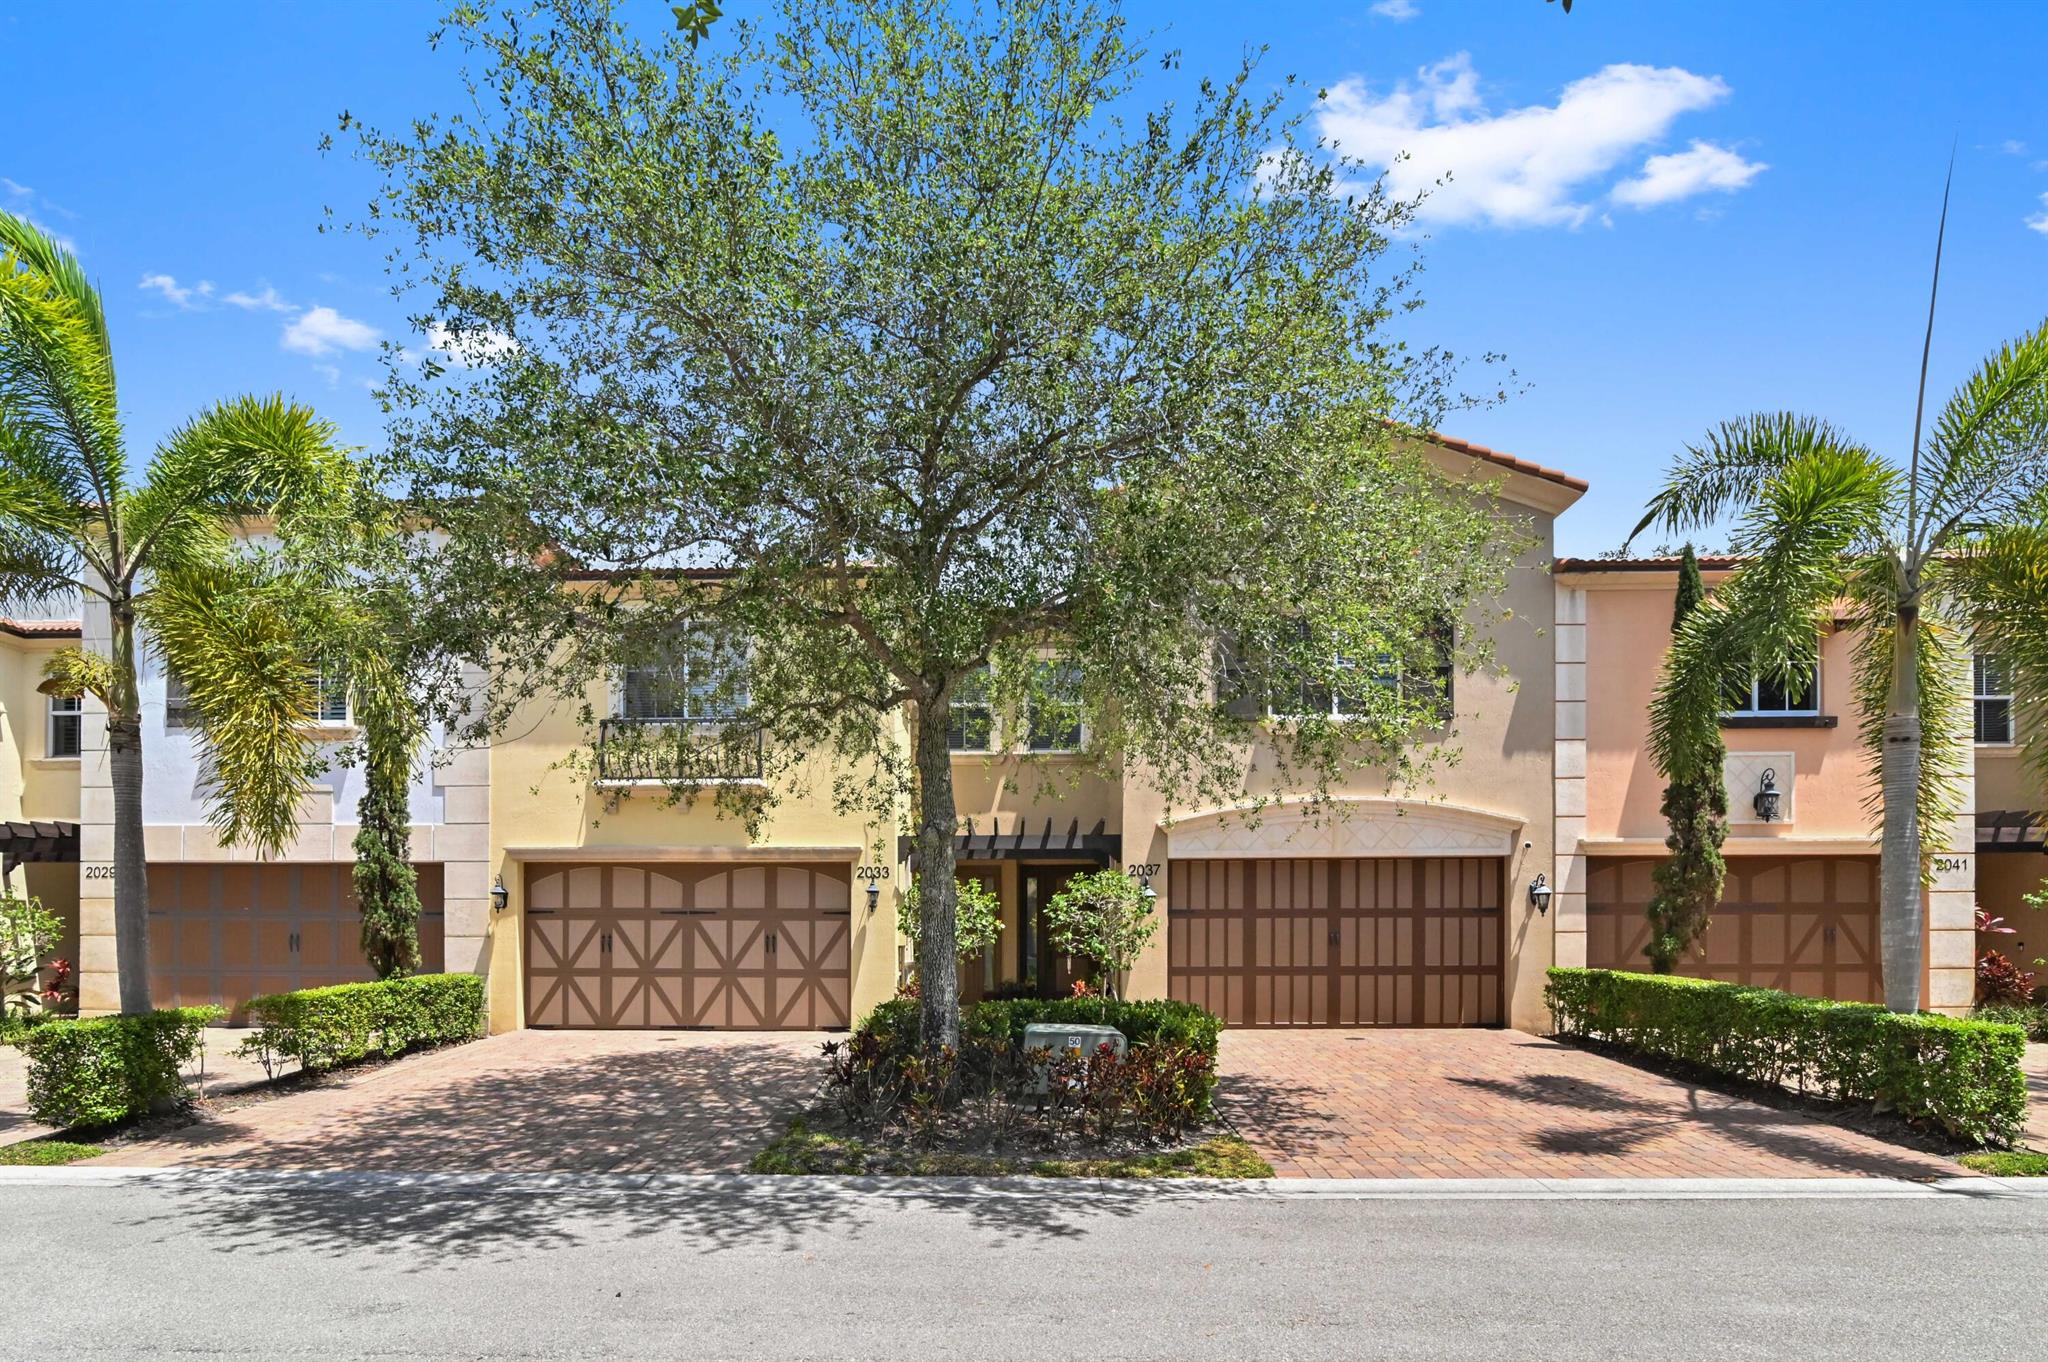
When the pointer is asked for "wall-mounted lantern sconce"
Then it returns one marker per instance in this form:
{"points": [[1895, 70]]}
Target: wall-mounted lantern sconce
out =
{"points": [[1148, 893], [1539, 894], [874, 896], [500, 895], [1767, 796]]}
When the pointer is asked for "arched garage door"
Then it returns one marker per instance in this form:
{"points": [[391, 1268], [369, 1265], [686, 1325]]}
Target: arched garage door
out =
{"points": [[1804, 924], [746, 947], [1339, 941]]}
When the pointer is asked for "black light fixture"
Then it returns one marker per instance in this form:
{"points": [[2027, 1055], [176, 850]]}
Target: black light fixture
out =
{"points": [[874, 895], [1767, 796], [500, 895], [1539, 894], [1147, 892]]}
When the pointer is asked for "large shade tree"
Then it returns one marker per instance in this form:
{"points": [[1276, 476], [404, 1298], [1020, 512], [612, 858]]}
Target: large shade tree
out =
{"points": [[891, 339], [1920, 555], [79, 518]]}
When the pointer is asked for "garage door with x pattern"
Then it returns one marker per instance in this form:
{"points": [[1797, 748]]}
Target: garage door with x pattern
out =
{"points": [[747, 947], [1338, 942]]}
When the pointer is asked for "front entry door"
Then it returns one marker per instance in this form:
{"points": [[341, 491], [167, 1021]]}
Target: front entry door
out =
{"points": [[1040, 966]]}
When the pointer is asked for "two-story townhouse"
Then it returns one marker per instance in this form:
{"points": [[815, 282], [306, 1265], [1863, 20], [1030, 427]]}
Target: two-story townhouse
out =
{"points": [[1800, 907], [622, 908], [226, 925], [587, 897]]}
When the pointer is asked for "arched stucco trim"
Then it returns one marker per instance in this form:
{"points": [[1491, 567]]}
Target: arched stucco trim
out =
{"points": [[1353, 825]]}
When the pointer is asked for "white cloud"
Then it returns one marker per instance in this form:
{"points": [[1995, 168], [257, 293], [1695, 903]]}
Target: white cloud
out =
{"points": [[469, 349], [320, 331], [182, 296], [1682, 174], [1400, 11], [2012, 146], [1524, 167], [329, 372], [2039, 222], [16, 190], [266, 301]]}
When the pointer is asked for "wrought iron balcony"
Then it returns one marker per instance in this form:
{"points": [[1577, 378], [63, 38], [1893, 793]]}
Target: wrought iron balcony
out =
{"points": [[677, 751]]}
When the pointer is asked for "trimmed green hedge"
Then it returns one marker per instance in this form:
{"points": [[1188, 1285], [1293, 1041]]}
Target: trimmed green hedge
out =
{"points": [[1962, 1077], [320, 1028], [106, 1069]]}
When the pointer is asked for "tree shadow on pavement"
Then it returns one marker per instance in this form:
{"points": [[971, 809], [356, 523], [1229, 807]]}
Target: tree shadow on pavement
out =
{"points": [[597, 1140], [1790, 1135], [1275, 1114]]}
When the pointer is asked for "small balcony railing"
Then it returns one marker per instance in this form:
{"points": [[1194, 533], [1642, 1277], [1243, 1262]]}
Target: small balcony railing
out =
{"points": [[677, 751]]}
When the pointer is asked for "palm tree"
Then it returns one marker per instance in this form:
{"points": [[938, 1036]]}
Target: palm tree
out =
{"points": [[76, 517], [1948, 551]]}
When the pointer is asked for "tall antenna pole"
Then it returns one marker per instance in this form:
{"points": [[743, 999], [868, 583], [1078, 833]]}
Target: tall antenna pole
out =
{"points": [[1926, 350]]}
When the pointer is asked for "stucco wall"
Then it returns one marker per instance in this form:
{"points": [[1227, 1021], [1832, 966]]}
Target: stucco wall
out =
{"points": [[1496, 757], [1628, 630]]}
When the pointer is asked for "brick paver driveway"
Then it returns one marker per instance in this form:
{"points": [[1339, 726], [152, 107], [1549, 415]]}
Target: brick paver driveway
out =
{"points": [[554, 1101], [1391, 1103]]}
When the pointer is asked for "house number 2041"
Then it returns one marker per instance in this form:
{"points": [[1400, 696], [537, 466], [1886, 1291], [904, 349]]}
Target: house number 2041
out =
{"points": [[1951, 864]]}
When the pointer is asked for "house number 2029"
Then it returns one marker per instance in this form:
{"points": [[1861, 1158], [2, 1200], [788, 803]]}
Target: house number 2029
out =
{"points": [[99, 872]]}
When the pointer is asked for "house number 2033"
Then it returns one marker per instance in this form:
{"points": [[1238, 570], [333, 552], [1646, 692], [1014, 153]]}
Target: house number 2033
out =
{"points": [[871, 873]]}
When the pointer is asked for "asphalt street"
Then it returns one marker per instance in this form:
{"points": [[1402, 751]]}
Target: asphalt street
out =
{"points": [[392, 1268]]}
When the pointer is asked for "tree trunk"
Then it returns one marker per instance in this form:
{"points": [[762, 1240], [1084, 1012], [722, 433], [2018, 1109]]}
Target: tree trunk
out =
{"points": [[1900, 913], [938, 970], [131, 867]]}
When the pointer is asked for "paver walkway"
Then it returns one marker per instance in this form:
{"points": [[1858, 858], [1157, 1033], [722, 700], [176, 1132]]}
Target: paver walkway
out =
{"points": [[1368, 1103], [1393, 1103], [526, 1101]]}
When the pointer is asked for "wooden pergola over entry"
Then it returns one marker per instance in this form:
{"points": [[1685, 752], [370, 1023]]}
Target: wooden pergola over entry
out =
{"points": [[21, 842]]}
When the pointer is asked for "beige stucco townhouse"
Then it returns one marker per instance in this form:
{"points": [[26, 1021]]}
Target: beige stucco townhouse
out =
{"points": [[587, 899]]}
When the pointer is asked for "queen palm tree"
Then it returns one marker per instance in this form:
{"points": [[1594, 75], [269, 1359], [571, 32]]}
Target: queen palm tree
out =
{"points": [[1946, 551], [78, 518]]}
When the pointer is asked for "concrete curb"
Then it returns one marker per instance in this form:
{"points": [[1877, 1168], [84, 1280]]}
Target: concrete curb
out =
{"points": [[1058, 1189]]}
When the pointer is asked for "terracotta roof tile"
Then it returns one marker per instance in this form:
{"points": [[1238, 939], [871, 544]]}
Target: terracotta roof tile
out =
{"points": [[1505, 460], [39, 628]]}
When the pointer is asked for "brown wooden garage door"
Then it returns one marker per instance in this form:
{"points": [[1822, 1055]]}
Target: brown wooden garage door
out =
{"points": [[1804, 924], [227, 933], [1342, 942], [751, 947]]}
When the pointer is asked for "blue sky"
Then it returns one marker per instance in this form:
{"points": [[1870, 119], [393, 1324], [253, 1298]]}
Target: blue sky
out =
{"points": [[1662, 214]]}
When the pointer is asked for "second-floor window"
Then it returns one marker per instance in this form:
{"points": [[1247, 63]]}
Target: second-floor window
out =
{"points": [[1052, 720], [1796, 693], [700, 676], [330, 695], [65, 734], [971, 721], [177, 702], [1991, 689], [1348, 698]]}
